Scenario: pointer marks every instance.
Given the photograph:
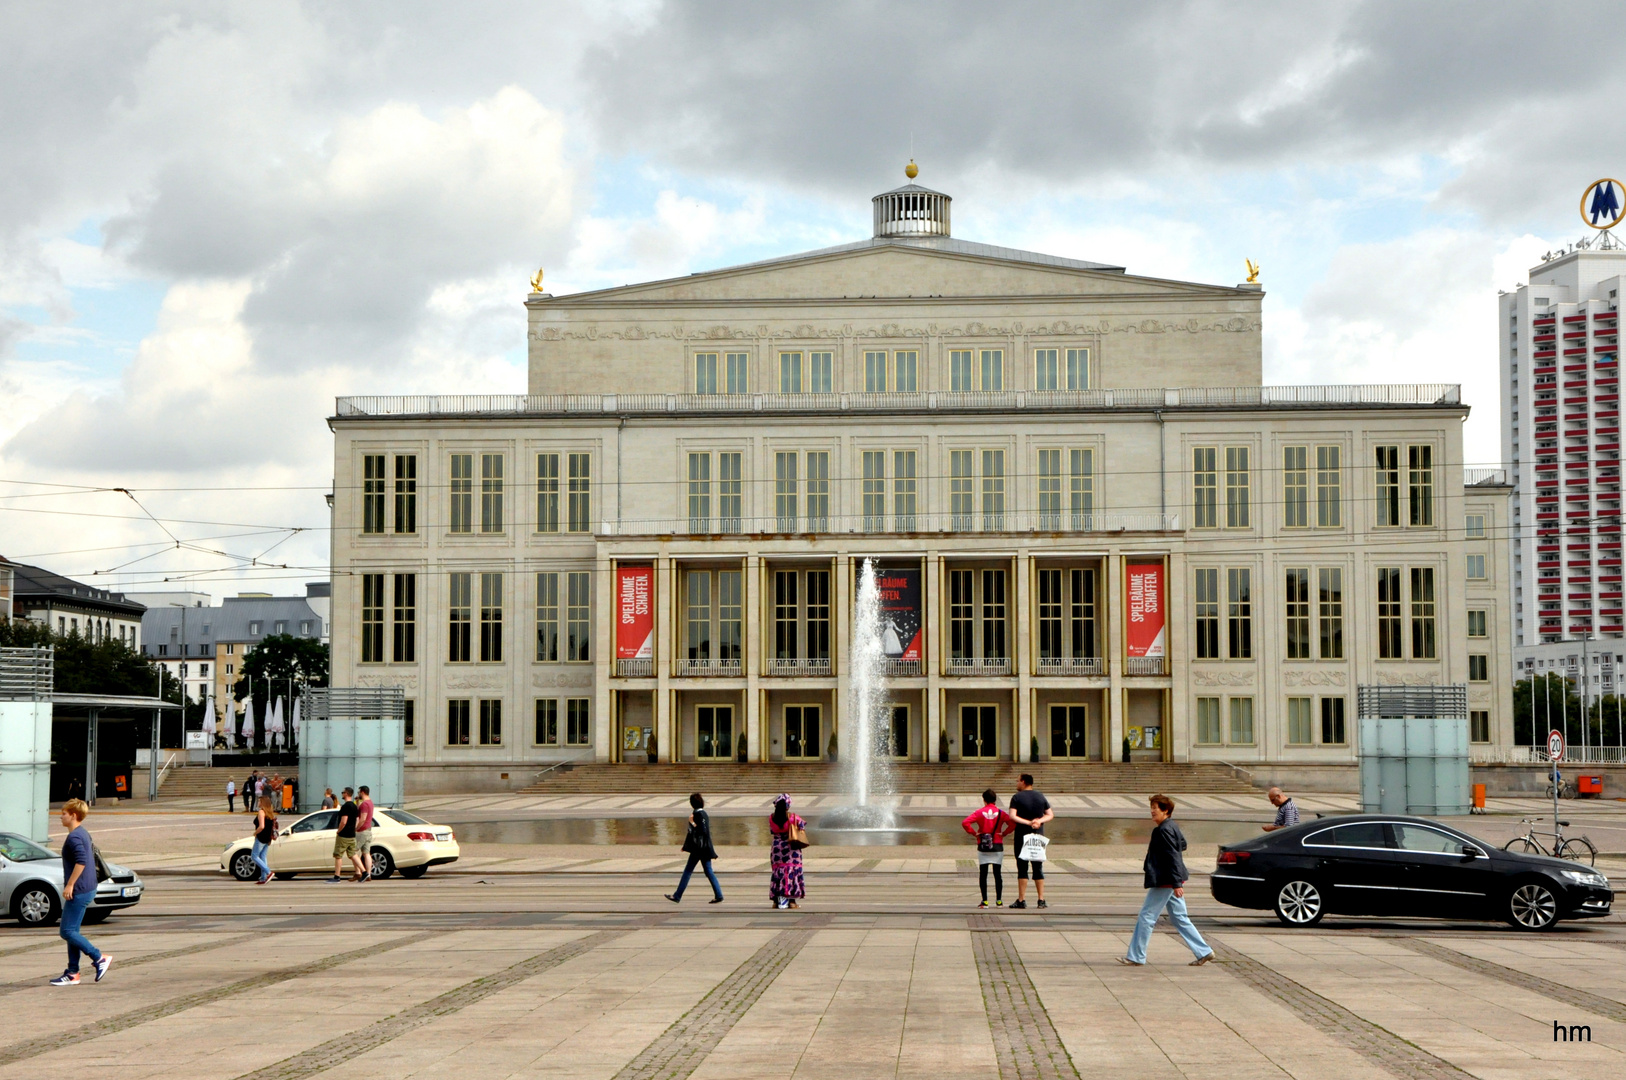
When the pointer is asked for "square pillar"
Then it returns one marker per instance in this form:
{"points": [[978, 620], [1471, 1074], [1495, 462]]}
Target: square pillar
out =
{"points": [[665, 747], [932, 567], [1022, 656], [1113, 751], [755, 726]]}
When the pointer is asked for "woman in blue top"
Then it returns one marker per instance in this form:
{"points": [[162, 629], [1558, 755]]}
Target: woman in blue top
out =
{"points": [[78, 890]]}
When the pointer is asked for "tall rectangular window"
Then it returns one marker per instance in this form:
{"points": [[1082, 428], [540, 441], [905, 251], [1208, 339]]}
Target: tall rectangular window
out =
{"points": [[1389, 613], [818, 491], [905, 371], [1479, 726], [786, 614], [1236, 487], [1049, 487], [1476, 623], [993, 369], [1298, 614], [372, 493], [547, 493], [406, 493], [700, 493], [1046, 365], [1330, 602], [1422, 613], [738, 364], [960, 370], [1387, 474], [1050, 607], [1081, 487], [962, 614], [785, 490], [728, 492], [1239, 613], [405, 643], [819, 374], [372, 618], [1209, 730], [578, 613], [491, 618], [1204, 488], [699, 604], [1332, 721], [818, 615], [993, 490], [491, 493], [581, 495], [875, 372], [409, 721], [993, 615], [1242, 721], [457, 722], [1078, 369], [1474, 527], [490, 722], [1296, 487], [730, 615], [462, 515], [874, 490], [962, 489], [1082, 615], [547, 722], [1300, 721], [1207, 611], [578, 722], [459, 617], [1329, 488], [1420, 483], [790, 373], [903, 490], [547, 618], [1478, 667], [1476, 567], [705, 373]]}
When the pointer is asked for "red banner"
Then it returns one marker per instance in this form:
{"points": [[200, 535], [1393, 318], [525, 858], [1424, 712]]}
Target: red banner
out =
{"points": [[1145, 624], [635, 613]]}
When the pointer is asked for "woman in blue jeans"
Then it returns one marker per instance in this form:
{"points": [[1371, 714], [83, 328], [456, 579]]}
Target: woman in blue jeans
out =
{"points": [[265, 831], [1166, 878], [698, 845], [78, 890]]}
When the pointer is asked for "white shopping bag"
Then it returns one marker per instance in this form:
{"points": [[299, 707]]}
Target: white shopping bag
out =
{"points": [[1033, 845]]}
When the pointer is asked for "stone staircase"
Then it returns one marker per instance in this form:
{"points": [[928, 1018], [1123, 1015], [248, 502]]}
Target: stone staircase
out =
{"points": [[956, 777], [197, 781]]}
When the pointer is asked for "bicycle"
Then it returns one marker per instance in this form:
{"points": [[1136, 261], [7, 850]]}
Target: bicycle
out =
{"points": [[1565, 791], [1578, 848]]}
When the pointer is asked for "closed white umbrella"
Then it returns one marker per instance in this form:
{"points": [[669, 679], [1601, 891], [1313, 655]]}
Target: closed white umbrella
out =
{"points": [[296, 720], [248, 719], [273, 723], [228, 721], [209, 718]]}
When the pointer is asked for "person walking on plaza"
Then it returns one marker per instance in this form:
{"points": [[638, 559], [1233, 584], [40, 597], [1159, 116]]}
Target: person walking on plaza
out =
{"points": [[248, 792], [329, 801], [265, 831], [1030, 810], [1166, 878], [785, 883], [344, 843], [701, 850], [78, 890], [1286, 812], [990, 826], [364, 833], [231, 796], [260, 789]]}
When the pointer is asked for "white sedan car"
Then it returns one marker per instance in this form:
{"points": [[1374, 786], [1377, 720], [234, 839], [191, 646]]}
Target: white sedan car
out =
{"points": [[401, 841], [31, 884]]}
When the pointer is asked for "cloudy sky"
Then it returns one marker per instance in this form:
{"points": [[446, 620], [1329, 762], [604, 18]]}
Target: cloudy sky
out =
{"points": [[216, 217]]}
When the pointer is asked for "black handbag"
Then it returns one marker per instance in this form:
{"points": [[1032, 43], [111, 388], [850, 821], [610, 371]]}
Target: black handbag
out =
{"points": [[987, 842]]}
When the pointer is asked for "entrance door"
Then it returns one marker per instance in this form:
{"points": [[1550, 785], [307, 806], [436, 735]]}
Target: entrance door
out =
{"points": [[900, 731], [979, 731], [714, 730], [802, 730], [1069, 731]]}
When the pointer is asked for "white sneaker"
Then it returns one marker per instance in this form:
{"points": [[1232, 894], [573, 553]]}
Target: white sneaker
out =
{"points": [[102, 965]]}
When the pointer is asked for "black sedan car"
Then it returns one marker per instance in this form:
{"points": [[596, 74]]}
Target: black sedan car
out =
{"points": [[1370, 864]]}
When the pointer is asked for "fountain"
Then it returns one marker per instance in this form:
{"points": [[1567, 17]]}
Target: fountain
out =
{"points": [[866, 758]]}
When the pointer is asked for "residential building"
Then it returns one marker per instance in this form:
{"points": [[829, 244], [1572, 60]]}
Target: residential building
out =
{"points": [[72, 607], [204, 647]]}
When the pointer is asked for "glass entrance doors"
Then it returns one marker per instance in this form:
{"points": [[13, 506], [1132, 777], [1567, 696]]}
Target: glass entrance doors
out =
{"points": [[1069, 731], [900, 731], [714, 732], [802, 724], [979, 731]]}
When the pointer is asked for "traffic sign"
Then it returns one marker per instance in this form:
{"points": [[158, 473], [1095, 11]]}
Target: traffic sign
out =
{"points": [[1555, 745]]}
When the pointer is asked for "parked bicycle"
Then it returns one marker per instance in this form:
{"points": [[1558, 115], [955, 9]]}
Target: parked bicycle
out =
{"points": [[1578, 848]]}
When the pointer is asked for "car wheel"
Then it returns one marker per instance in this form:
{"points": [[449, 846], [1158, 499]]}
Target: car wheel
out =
{"points": [[1523, 845], [414, 872], [36, 904], [284, 875], [1532, 906], [1299, 903], [96, 918], [383, 865], [243, 866]]}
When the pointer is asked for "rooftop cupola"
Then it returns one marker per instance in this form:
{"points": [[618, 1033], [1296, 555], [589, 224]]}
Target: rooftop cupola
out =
{"points": [[911, 210]]}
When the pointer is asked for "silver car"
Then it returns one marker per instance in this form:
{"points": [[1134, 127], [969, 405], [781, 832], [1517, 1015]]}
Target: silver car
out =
{"points": [[31, 884]]}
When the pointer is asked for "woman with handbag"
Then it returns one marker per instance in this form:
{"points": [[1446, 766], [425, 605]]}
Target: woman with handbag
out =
{"points": [[990, 826], [698, 844], [789, 832], [265, 831]]}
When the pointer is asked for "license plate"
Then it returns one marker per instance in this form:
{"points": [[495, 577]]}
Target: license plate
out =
{"points": [[443, 836], [130, 890]]}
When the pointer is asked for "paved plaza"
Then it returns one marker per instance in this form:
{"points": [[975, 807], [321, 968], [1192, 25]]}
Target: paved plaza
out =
{"points": [[565, 961]]}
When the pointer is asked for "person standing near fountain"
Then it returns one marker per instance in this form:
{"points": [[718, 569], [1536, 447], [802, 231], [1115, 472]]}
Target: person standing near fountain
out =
{"points": [[990, 826], [1030, 810], [699, 846], [785, 883]]}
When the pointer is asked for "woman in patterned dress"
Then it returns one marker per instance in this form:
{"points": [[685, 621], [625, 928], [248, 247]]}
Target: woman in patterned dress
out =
{"points": [[785, 884]]}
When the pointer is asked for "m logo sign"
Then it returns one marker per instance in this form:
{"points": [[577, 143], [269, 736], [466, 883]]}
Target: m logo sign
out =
{"points": [[1601, 204]]}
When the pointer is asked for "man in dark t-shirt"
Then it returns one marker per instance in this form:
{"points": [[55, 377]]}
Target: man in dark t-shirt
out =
{"points": [[344, 843], [1031, 810]]}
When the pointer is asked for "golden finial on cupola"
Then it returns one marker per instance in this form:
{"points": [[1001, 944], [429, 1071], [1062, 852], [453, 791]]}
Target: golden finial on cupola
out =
{"points": [[911, 170]]}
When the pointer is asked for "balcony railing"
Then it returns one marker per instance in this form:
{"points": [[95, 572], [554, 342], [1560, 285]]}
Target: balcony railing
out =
{"points": [[639, 668], [1072, 665], [797, 668], [979, 665], [1146, 665], [974, 521], [706, 668], [904, 667]]}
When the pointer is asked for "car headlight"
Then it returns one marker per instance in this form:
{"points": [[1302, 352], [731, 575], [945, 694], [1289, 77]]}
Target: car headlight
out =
{"points": [[1585, 877]]}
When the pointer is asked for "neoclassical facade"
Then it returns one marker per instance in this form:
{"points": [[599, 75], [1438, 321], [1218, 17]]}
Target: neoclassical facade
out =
{"points": [[1096, 528]]}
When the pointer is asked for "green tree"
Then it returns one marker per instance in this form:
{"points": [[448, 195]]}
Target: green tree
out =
{"points": [[279, 658], [83, 666], [1543, 703]]}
